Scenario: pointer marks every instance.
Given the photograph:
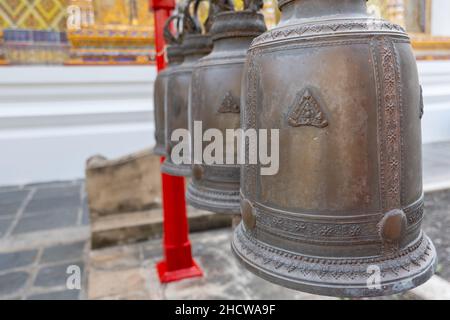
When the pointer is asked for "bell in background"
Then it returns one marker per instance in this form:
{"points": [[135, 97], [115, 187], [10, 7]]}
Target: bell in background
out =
{"points": [[175, 58], [342, 217], [215, 101], [195, 45]]}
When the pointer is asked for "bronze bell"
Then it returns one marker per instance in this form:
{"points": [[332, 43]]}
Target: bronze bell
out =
{"points": [[174, 57], [194, 46], [342, 217], [214, 101]]}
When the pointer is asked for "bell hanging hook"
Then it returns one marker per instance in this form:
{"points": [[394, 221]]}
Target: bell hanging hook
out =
{"points": [[215, 7], [191, 22], [253, 5], [169, 36]]}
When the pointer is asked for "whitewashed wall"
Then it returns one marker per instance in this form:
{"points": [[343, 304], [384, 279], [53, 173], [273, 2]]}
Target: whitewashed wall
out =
{"points": [[435, 80], [440, 14], [53, 118]]}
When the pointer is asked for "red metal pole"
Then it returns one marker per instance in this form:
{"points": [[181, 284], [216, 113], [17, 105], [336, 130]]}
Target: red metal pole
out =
{"points": [[178, 263]]}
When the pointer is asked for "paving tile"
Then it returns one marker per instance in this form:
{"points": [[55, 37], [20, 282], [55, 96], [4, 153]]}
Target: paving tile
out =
{"points": [[115, 258], [53, 276], [72, 251], [57, 295], [85, 214], [11, 201], [13, 196], [46, 221], [45, 205], [4, 225], [11, 283], [58, 192], [11, 188], [9, 210], [54, 184], [107, 283], [152, 252], [17, 259]]}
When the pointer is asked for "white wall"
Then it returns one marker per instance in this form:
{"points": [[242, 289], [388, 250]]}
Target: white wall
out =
{"points": [[53, 118], [435, 80], [440, 18]]}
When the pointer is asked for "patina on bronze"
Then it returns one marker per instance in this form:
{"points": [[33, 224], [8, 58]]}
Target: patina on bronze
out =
{"points": [[194, 46], [175, 58], [215, 100], [347, 203]]}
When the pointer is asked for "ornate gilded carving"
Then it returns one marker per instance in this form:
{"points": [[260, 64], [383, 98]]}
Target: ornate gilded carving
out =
{"points": [[306, 111]]}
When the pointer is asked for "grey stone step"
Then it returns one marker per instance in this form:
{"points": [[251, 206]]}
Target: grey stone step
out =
{"points": [[126, 228]]}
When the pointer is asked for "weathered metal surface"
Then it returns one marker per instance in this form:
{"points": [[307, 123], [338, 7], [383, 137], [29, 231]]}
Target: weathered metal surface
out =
{"points": [[175, 57], [215, 100], [194, 46], [347, 200]]}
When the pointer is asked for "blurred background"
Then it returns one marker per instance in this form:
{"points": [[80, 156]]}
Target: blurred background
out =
{"points": [[76, 78], [79, 185]]}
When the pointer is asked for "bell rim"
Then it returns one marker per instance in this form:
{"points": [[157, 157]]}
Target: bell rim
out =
{"points": [[214, 200], [179, 170], [344, 290]]}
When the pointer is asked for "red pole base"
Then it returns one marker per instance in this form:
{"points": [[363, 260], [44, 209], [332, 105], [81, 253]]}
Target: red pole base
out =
{"points": [[166, 276], [178, 263]]}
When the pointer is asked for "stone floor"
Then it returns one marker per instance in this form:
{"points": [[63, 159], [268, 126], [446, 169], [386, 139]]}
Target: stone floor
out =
{"points": [[44, 229], [437, 226], [129, 272], [41, 273], [42, 207]]}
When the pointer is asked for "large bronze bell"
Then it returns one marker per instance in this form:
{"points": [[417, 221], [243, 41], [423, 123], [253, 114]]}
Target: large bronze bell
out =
{"points": [[175, 57], [342, 217], [214, 104], [194, 46]]}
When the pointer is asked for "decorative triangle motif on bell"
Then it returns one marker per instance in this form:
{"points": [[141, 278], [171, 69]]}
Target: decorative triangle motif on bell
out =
{"points": [[229, 105], [306, 111]]}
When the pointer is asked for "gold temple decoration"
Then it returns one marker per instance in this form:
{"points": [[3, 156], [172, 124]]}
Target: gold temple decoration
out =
{"points": [[3, 60], [271, 13], [32, 31], [392, 10], [415, 16], [33, 14], [116, 32], [121, 31]]}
